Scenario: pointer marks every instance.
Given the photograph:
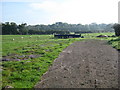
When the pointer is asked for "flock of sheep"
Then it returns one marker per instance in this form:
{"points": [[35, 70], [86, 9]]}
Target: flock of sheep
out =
{"points": [[28, 37], [96, 36], [23, 37]]}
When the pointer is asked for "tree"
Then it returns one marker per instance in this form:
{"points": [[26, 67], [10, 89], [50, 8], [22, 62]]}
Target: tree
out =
{"points": [[6, 28], [22, 29], [117, 29], [13, 28], [9, 28]]}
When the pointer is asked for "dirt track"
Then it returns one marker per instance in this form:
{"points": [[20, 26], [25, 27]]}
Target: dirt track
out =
{"points": [[84, 64]]}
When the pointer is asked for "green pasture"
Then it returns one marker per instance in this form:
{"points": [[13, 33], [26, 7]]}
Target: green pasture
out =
{"points": [[11, 42], [24, 71]]}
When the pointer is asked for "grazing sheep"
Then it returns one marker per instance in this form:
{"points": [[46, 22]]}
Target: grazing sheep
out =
{"points": [[13, 39], [106, 35], [30, 36], [21, 37]]}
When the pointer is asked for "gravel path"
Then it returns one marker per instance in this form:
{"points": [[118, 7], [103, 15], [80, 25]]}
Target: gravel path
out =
{"points": [[83, 64]]}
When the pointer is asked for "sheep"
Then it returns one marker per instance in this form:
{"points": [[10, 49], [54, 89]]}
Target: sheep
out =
{"points": [[106, 35], [30, 36], [13, 39], [21, 37]]}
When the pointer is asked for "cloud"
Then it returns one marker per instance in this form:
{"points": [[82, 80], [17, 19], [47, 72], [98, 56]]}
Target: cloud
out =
{"points": [[75, 11], [21, 0], [46, 5]]}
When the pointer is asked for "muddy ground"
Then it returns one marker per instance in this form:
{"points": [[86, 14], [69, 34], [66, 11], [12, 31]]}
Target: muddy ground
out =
{"points": [[83, 64]]}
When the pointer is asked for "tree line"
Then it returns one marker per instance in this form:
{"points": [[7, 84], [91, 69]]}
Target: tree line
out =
{"points": [[11, 28]]}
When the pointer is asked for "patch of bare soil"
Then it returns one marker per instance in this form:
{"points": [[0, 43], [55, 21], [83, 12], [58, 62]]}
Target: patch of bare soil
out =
{"points": [[15, 57], [83, 64]]}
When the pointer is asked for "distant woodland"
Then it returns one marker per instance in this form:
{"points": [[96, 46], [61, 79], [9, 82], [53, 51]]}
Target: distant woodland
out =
{"points": [[11, 28]]}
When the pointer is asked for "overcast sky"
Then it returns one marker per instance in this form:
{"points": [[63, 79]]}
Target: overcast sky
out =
{"points": [[50, 11]]}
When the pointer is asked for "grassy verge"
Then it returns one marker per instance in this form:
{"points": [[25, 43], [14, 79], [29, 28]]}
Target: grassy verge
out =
{"points": [[22, 71], [113, 41]]}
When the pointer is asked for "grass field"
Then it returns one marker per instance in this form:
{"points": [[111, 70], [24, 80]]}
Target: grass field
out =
{"points": [[23, 71], [28, 58]]}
